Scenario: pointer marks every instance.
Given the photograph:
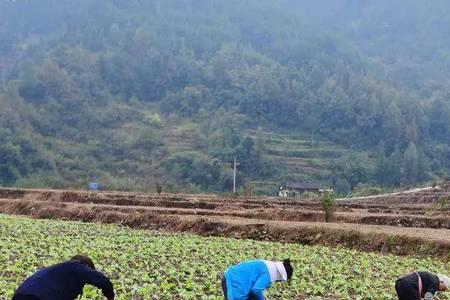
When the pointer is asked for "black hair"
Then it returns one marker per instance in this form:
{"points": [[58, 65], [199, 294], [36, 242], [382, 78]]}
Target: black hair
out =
{"points": [[289, 268], [85, 260]]}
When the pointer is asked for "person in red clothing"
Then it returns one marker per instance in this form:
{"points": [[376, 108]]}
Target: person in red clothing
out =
{"points": [[64, 281]]}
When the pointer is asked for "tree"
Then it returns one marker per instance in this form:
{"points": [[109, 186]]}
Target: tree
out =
{"points": [[439, 119], [353, 168], [199, 169], [381, 165], [224, 135], [158, 187], [91, 87], [410, 165], [186, 103], [342, 187], [328, 204], [394, 167]]}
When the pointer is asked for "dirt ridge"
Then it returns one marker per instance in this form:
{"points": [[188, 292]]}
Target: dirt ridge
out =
{"points": [[414, 225]]}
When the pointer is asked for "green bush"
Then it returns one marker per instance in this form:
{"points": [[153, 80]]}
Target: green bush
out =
{"points": [[153, 119], [328, 204]]}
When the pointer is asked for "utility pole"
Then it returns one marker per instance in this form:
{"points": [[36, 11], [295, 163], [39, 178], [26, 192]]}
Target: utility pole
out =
{"points": [[236, 163]]}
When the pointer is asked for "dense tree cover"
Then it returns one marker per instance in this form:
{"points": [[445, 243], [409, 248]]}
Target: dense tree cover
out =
{"points": [[410, 38], [91, 88]]}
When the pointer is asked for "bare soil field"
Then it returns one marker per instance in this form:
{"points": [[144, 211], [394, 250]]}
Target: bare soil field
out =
{"points": [[406, 223]]}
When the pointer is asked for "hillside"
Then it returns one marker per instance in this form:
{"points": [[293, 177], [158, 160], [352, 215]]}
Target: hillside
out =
{"points": [[134, 94]]}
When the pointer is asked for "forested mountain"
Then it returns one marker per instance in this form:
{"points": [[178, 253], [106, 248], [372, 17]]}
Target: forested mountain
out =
{"points": [[134, 93]]}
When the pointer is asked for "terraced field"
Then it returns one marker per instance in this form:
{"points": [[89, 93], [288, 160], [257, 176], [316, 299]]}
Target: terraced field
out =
{"points": [[298, 158], [404, 223], [303, 158]]}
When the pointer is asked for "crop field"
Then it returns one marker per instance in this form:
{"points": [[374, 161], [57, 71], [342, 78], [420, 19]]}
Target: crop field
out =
{"points": [[153, 265], [413, 223]]}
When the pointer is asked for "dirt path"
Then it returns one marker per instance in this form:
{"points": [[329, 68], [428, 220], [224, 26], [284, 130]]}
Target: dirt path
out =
{"points": [[434, 235], [429, 188], [358, 216], [255, 218], [223, 217]]}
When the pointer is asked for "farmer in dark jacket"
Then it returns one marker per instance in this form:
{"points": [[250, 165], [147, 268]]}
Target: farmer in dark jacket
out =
{"points": [[421, 285], [64, 281]]}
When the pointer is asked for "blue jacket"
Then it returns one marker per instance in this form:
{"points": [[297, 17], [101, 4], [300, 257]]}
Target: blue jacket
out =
{"points": [[64, 281], [247, 280]]}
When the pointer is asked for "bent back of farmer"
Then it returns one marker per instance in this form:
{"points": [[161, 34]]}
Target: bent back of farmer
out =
{"points": [[248, 280], [64, 281], [420, 285]]}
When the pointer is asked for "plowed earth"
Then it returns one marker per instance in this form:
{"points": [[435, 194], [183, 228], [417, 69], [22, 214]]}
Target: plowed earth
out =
{"points": [[404, 223]]}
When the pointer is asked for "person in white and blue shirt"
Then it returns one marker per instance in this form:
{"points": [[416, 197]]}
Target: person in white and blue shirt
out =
{"points": [[249, 279]]}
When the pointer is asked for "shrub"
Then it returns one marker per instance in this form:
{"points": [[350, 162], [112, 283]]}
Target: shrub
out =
{"points": [[443, 203], [328, 204], [159, 187]]}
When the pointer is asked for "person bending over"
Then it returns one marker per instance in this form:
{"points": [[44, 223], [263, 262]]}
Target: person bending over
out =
{"points": [[248, 280], [421, 285], [64, 281]]}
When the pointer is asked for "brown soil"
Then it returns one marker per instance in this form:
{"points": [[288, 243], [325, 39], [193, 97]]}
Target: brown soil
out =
{"points": [[396, 228]]}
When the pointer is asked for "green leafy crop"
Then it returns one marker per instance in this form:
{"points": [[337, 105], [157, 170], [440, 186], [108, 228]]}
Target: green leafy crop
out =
{"points": [[153, 265]]}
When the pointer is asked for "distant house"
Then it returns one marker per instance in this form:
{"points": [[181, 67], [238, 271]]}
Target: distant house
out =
{"points": [[292, 189]]}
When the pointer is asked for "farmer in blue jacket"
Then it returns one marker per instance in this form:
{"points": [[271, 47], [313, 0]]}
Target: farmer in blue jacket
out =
{"points": [[64, 281], [248, 280]]}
